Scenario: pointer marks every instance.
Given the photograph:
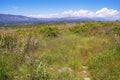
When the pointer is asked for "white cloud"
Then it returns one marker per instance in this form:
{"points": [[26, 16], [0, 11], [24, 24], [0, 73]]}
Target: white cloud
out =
{"points": [[102, 13], [79, 13], [105, 12]]}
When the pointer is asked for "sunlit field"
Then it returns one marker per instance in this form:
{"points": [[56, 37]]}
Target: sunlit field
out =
{"points": [[60, 51]]}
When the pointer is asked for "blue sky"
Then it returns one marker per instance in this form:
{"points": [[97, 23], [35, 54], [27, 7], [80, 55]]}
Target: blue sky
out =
{"points": [[28, 7]]}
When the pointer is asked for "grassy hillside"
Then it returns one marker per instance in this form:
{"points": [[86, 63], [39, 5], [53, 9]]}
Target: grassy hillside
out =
{"points": [[60, 51]]}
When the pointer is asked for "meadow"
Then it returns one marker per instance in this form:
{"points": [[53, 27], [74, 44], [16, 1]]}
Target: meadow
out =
{"points": [[60, 51]]}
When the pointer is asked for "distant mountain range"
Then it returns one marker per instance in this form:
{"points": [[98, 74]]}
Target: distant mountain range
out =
{"points": [[18, 19]]}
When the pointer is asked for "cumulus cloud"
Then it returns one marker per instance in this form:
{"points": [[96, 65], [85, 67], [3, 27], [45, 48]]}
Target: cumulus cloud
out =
{"points": [[105, 12], [102, 13]]}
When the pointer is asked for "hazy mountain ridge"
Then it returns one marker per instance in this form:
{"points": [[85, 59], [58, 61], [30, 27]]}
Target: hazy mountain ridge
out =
{"points": [[15, 19]]}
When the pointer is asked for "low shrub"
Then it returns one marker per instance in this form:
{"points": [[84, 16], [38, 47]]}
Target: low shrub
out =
{"points": [[116, 30], [78, 29], [49, 31], [7, 41]]}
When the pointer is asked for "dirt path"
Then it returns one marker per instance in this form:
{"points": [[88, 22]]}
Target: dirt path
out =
{"points": [[85, 73]]}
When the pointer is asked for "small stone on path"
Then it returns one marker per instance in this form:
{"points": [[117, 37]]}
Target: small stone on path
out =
{"points": [[87, 78]]}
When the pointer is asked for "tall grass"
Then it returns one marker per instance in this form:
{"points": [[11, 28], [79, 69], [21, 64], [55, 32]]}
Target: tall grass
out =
{"points": [[59, 51]]}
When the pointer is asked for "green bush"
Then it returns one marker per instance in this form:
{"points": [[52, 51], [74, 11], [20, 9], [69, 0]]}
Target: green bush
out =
{"points": [[116, 30], [107, 24], [92, 24], [78, 29], [7, 41], [49, 31]]}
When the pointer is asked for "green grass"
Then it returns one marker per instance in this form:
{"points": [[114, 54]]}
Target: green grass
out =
{"points": [[105, 65], [60, 51]]}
